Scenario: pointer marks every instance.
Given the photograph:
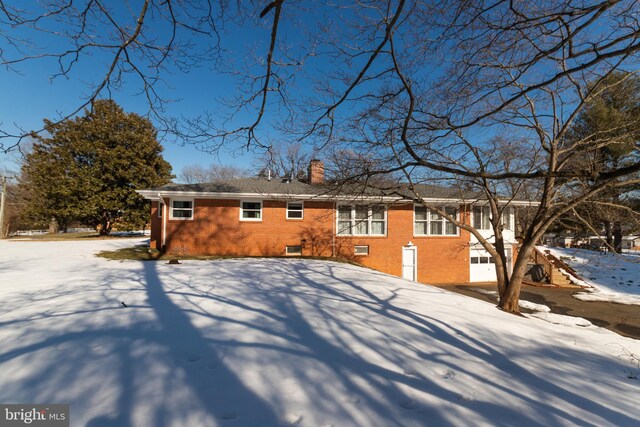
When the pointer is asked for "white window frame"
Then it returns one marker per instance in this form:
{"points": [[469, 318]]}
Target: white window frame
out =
{"points": [[369, 219], [508, 211], [355, 250], [182, 199], [443, 220], [242, 202], [301, 203], [485, 210]]}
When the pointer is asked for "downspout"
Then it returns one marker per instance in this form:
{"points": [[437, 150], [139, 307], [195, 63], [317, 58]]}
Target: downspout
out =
{"points": [[163, 239], [333, 229]]}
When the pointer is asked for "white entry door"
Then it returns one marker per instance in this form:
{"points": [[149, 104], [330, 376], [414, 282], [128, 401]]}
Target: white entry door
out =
{"points": [[409, 262]]}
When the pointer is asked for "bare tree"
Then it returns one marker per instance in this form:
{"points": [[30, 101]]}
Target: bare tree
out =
{"points": [[284, 160], [193, 174]]}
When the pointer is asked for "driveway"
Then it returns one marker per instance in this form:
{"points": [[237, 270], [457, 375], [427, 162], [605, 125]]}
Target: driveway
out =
{"points": [[623, 319]]}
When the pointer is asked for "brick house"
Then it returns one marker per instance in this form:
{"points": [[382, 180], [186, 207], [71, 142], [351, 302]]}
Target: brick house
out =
{"points": [[275, 217]]}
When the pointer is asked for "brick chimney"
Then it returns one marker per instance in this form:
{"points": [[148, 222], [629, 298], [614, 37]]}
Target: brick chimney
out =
{"points": [[316, 171]]}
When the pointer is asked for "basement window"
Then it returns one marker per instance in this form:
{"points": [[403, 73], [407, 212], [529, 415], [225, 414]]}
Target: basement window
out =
{"points": [[361, 250], [294, 250]]}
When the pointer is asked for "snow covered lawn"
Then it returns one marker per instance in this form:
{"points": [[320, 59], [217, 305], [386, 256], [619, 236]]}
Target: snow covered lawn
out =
{"points": [[612, 277], [257, 342]]}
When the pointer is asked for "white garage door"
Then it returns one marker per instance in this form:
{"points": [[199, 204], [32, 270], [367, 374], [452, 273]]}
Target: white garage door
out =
{"points": [[482, 269], [482, 266]]}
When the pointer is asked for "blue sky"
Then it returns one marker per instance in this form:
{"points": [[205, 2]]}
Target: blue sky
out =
{"points": [[29, 95]]}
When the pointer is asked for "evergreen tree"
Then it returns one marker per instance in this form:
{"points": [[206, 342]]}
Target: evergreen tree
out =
{"points": [[611, 124], [88, 168]]}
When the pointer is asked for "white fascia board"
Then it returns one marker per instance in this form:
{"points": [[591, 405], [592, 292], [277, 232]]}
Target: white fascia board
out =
{"points": [[157, 196], [149, 195], [502, 202]]}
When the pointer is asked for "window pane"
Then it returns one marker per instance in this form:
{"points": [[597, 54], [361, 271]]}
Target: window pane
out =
{"points": [[362, 227], [294, 250], [420, 228], [344, 212], [251, 205], [361, 250], [450, 228], [377, 227], [344, 227], [486, 223], [182, 213], [477, 218], [182, 204], [436, 227], [484, 260], [251, 214], [421, 213], [435, 216], [474, 260], [362, 212], [294, 210], [506, 218], [377, 212]]}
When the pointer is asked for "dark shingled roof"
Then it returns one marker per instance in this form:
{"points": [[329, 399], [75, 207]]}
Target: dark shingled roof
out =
{"points": [[295, 187]]}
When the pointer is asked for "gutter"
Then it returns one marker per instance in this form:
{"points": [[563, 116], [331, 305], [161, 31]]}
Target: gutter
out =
{"points": [[154, 195], [163, 239]]}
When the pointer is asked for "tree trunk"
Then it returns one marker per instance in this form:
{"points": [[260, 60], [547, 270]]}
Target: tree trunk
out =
{"points": [[53, 226], [617, 237], [607, 230], [105, 224], [510, 300]]}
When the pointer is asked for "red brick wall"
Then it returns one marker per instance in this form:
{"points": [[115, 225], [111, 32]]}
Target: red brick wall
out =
{"points": [[441, 259], [217, 230], [156, 227]]}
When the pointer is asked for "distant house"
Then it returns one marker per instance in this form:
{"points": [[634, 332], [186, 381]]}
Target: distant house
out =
{"points": [[385, 231], [631, 243]]}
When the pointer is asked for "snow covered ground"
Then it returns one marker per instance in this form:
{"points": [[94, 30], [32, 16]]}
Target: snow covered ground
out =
{"points": [[612, 277], [255, 342]]}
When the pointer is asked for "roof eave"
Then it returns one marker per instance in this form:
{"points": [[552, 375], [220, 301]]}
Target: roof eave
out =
{"points": [[157, 195]]}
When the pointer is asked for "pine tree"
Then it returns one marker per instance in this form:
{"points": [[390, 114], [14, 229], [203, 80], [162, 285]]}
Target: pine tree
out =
{"points": [[88, 168], [612, 121]]}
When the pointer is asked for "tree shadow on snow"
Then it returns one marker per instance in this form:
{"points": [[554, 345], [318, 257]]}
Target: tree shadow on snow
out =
{"points": [[354, 353]]}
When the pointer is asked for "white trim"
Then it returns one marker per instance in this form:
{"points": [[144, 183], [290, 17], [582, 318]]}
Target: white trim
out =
{"points": [[473, 217], [251, 219], [154, 195], [182, 199], [301, 203], [163, 239]]}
